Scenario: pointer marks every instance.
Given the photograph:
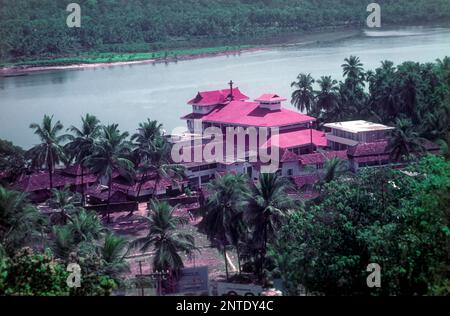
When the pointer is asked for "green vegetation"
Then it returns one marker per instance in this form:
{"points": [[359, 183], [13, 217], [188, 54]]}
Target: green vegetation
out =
{"points": [[35, 30], [34, 253], [413, 97], [165, 238], [398, 218], [12, 161], [379, 216], [223, 217], [49, 152]]}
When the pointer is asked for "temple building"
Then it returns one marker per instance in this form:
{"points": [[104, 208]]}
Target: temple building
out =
{"points": [[303, 150], [231, 108]]}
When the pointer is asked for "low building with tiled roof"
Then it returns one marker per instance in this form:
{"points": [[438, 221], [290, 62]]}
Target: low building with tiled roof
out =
{"points": [[37, 184], [377, 153]]}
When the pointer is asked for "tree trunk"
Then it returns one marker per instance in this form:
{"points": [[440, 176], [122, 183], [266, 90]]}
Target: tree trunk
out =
{"points": [[238, 258], [50, 168], [109, 200], [264, 250], [154, 187], [141, 183], [82, 187], [226, 262], [50, 174]]}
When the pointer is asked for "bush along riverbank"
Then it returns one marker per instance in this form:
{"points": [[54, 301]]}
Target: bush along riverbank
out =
{"points": [[110, 59]]}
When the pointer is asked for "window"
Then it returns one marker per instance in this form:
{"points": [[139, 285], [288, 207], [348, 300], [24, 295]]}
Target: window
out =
{"points": [[290, 172]]}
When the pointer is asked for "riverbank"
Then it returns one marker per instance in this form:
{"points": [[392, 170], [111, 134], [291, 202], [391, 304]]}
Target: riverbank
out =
{"points": [[120, 59], [117, 59]]}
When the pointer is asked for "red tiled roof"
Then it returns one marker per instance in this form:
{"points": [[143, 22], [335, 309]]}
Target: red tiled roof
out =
{"points": [[288, 156], [380, 149], [368, 149], [372, 158], [297, 138], [322, 157], [147, 185], [40, 181], [75, 170], [215, 97], [270, 97], [101, 193], [251, 114]]}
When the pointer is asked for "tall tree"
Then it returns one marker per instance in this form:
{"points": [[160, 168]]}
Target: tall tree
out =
{"points": [[111, 154], [353, 70], [12, 161], [303, 96], [20, 222], [404, 140], [64, 201], [162, 165], [49, 152], [267, 205], [165, 238], [327, 95], [145, 148], [81, 144], [223, 220]]}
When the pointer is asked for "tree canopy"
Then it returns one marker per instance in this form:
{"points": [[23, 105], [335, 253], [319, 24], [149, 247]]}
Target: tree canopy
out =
{"points": [[37, 28]]}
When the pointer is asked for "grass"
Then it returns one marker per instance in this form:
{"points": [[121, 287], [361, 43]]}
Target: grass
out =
{"points": [[93, 58]]}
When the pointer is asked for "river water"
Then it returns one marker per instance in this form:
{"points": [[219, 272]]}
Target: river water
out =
{"points": [[129, 94]]}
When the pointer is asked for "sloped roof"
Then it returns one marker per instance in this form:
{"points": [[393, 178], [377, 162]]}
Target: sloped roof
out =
{"points": [[288, 156], [216, 97], [251, 114], [368, 149], [40, 181], [322, 157], [297, 138], [270, 97]]}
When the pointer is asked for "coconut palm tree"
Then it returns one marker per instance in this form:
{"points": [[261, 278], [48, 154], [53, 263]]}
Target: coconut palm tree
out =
{"points": [[162, 165], [49, 152], [333, 167], [383, 93], [86, 226], [303, 97], [353, 70], [63, 241], [81, 144], [223, 220], [144, 150], [111, 153], [327, 97], [64, 201], [19, 220], [112, 253], [443, 66], [404, 140], [267, 204], [165, 238]]}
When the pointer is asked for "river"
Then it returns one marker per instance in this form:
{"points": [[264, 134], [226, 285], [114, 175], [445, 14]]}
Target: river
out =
{"points": [[129, 94]]}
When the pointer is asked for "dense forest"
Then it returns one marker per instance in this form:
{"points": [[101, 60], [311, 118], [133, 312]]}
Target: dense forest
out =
{"points": [[37, 28]]}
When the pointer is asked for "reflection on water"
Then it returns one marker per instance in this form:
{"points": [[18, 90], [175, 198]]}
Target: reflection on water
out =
{"points": [[129, 94]]}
